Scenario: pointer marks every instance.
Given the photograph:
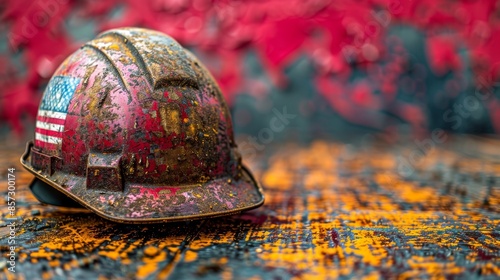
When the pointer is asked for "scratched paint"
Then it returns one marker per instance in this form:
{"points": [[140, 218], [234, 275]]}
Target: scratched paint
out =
{"points": [[332, 210]]}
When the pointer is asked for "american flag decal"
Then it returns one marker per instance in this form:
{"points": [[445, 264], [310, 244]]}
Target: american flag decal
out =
{"points": [[53, 110]]}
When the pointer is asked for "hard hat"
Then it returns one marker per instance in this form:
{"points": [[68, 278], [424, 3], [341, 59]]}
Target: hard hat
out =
{"points": [[134, 128]]}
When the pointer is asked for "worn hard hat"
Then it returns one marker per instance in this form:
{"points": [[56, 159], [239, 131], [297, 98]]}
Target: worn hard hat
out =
{"points": [[134, 128]]}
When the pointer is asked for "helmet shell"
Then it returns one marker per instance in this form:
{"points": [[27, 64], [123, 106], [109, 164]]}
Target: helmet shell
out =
{"points": [[133, 127]]}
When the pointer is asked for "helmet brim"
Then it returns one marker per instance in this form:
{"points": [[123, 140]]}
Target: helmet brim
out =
{"points": [[155, 204]]}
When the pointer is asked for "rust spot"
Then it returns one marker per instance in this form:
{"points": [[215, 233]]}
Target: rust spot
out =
{"points": [[170, 119], [114, 47]]}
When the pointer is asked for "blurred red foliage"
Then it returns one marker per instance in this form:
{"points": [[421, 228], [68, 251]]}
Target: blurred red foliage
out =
{"points": [[334, 34]]}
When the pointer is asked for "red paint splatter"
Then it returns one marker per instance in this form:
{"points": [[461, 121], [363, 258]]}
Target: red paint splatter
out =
{"points": [[335, 237]]}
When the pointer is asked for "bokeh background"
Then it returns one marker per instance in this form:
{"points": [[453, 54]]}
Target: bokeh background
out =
{"points": [[343, 69]]}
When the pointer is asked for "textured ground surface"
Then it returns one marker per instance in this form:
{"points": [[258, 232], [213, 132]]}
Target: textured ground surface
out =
{"points": [[331, 210]]}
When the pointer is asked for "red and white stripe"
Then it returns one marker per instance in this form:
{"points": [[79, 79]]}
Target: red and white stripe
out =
{"points": [[49, 128]]}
